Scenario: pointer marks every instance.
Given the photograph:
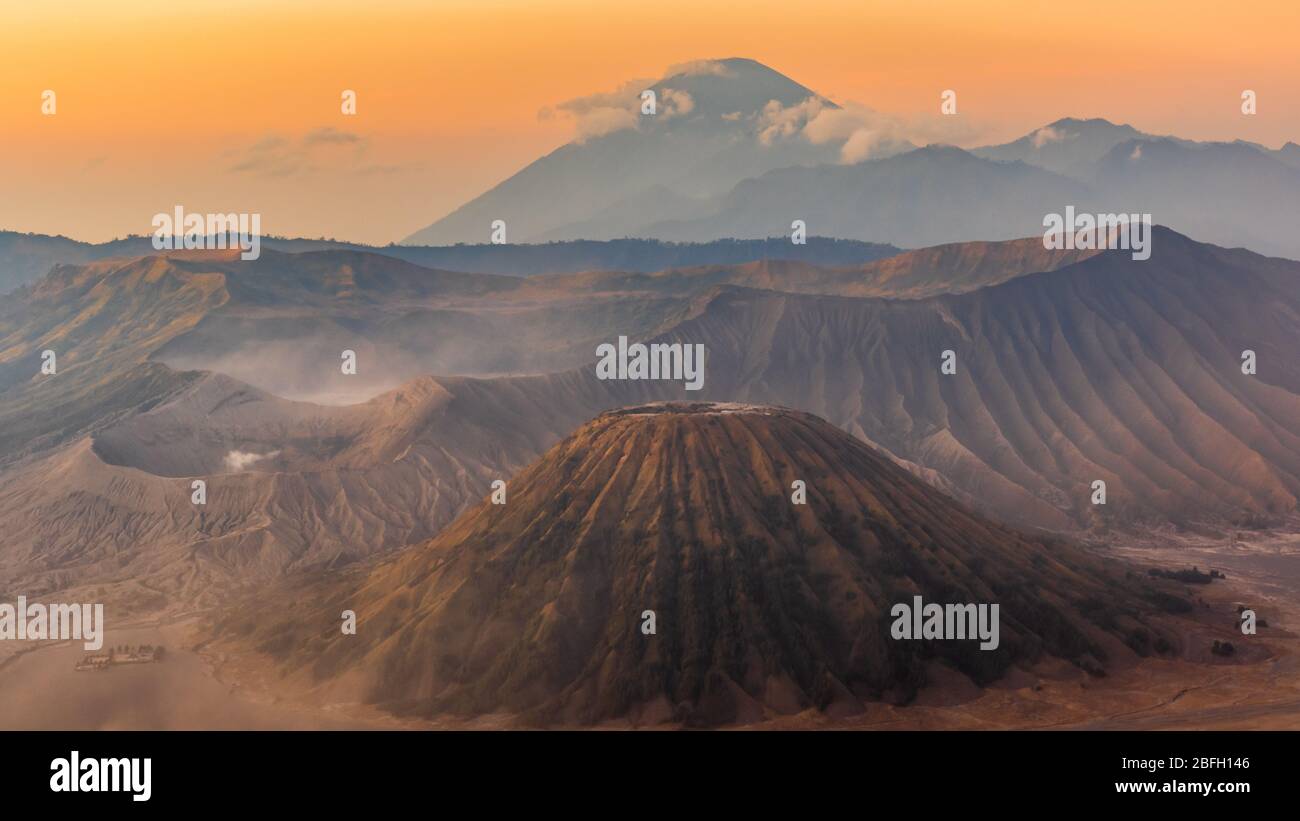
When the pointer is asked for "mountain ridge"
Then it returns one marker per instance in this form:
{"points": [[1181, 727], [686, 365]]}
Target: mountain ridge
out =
{"points": [[25, 258], [1105, 368]]}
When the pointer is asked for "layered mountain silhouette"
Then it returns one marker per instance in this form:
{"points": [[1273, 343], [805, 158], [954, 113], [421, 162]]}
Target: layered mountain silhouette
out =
{"points": [[535, 608], [1112, 369], [24, 258], [936, 194], [747, 161], [943, 194], [1097, 367], [281, 322], [1070, 147], [1074, 147], [1106, 369], [1228, 193]]}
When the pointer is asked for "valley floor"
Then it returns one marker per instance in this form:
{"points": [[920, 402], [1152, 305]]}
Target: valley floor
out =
{"points": [[183, 691], [1258, 688]]}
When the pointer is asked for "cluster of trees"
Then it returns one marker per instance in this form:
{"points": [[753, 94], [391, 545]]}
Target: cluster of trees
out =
{"points": [[1193, 576]]}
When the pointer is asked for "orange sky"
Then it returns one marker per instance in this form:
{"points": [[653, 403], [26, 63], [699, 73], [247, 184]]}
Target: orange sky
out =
{"points": [[161, 102]]}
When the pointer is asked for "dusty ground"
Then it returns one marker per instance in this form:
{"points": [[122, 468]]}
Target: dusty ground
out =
{"points": [[42, 691]]}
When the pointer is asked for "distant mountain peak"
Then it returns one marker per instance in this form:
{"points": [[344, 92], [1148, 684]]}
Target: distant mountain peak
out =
{"points": [[1088, 122], [715, 123], [942, 150], [1067, 146], [736, 84]]}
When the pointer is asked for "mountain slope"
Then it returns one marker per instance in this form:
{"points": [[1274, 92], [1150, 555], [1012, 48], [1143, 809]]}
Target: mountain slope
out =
{"points": [[1109, 369], [932, 195], [1289, 154], [282, 323], [102, 322], [290, 487], [653, 168], [762, 607]]}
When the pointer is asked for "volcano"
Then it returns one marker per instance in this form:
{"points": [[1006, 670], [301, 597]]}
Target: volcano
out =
{"points": [[539, 608], [700, 143]]}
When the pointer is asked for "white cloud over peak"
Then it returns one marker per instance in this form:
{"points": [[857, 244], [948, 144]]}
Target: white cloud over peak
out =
{"points": [[696, 68], [861, 131], [596, 115]]}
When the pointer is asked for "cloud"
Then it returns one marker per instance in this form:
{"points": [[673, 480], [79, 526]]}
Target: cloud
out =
{"points": [[861, 132], [277, 156], [697, 68], [674, 103], [861, 145], [837, 124], [778, 122], [328, 135], [596, 115], [1137, 152], [271, 156], [239, 460], [601, 121], [1046, 135]]}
